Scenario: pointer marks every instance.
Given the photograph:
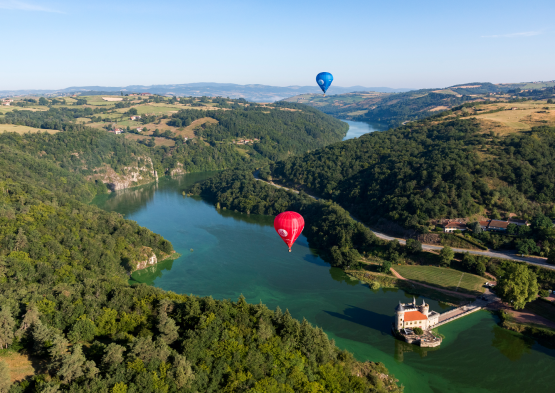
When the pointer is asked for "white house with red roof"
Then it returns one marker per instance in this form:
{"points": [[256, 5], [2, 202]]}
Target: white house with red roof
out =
{"points": [[454, 226], [409, 315]]}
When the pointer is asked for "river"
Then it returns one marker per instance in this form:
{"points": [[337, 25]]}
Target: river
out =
{"points": [[225, 254], [358, 128]]}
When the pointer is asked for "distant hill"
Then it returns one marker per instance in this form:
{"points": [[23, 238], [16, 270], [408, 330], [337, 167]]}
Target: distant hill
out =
{"points": [[256, 93], [396, 108]]}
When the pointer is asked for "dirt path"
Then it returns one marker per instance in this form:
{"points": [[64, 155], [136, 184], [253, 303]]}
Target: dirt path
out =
{"points": [[431, 287], [523, 316]]}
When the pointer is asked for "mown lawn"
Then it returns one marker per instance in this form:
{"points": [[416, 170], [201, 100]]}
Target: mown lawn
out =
{"points": [[451, 279]]}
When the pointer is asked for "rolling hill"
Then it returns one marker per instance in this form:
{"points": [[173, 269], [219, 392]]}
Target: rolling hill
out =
{"points": [[394, 109]]}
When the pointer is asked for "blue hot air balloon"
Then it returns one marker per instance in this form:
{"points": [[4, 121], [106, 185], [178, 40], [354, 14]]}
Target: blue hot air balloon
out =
{"points": [[324, 80]]}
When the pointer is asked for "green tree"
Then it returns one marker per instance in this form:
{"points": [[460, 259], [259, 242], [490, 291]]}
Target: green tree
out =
{"points": [[518, 285], [476, 228], [386, 267], [418, 331], [5, 377], [29, 319], [119, 387], [182, 372], [113, 356], [446, 255], [72, 365], [132, 111], [527, 247], [413, 246], [550, 101], [43, 101], [7, 324], [168, 327], [83, 330], [542, 225]]}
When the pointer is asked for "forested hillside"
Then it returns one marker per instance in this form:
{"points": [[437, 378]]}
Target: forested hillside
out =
{"points": [[186, 135], [66, 305], [432, 169]]}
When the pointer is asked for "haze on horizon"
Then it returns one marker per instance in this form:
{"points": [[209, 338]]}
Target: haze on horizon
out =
{"points": [[53, 44]]}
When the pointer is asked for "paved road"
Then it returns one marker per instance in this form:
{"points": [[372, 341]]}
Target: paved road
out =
{"points": [[492, 254]]}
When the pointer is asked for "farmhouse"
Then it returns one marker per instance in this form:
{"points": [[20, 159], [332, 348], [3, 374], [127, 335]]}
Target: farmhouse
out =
{"points": [[454, 226], [136, 117], [116, 131], [497, 225]]}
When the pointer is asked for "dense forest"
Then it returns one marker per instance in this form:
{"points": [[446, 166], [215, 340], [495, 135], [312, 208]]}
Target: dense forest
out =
{"points": [[431, 170], [283, 130], [65, 301]]}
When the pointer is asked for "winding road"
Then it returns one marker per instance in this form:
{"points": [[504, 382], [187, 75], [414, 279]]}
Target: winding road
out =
{"points": [[491, 254]]}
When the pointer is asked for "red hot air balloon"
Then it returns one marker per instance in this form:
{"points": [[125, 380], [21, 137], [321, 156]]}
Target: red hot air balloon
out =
{"points": [[289, 226]]}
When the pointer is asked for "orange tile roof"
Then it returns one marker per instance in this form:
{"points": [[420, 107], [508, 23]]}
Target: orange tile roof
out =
{"points": [[414, 316]]}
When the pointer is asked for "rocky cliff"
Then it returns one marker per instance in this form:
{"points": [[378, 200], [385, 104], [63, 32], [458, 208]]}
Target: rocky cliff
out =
{"points": [[178, 170], [141, 172], [150, 259]]}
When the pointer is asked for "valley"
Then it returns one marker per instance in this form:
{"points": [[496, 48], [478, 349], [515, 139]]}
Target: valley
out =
{"points": [[150, 158]]}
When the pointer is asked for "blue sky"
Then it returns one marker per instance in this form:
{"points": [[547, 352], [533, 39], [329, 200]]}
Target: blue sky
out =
{"points": [[57, 43]]}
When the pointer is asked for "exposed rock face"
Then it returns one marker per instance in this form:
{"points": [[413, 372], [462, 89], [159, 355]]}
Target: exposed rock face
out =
{"points": [[141, 172], [149, 261], [178, 170]]}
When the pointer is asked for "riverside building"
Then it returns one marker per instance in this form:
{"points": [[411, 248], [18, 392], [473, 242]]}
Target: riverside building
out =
{"points": [[410, 315]]}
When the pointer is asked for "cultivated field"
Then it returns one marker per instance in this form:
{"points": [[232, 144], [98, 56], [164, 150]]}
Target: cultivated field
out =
{"points": [[23, 129], [453, 280], [526, 115]]}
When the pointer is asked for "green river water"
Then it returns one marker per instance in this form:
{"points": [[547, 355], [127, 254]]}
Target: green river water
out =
{"points": [[237, 254]]}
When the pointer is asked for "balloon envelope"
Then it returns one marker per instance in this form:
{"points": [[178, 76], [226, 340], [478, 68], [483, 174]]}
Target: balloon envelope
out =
{"points": [[289, 226], [324, 80]]}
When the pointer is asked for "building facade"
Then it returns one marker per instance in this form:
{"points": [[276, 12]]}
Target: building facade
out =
{"points": [[410, 315]]}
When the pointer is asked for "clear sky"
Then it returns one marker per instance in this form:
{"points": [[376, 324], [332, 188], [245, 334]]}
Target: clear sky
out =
{"points": [[412, 44]]}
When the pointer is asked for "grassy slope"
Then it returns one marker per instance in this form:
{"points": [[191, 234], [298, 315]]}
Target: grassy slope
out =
{"points": [[445, 278]]}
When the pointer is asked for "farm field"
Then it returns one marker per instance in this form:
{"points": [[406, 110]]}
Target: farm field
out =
{"points": [[526, 115], [23, 129], [450, 279]]}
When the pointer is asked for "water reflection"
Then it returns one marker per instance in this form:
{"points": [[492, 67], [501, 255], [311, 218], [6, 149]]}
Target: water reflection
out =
{"points": [[364, 317], [255, 219], [359, 128], [402, 347], [510, 344], [150, 274], [339, 275], [132, 200]]}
